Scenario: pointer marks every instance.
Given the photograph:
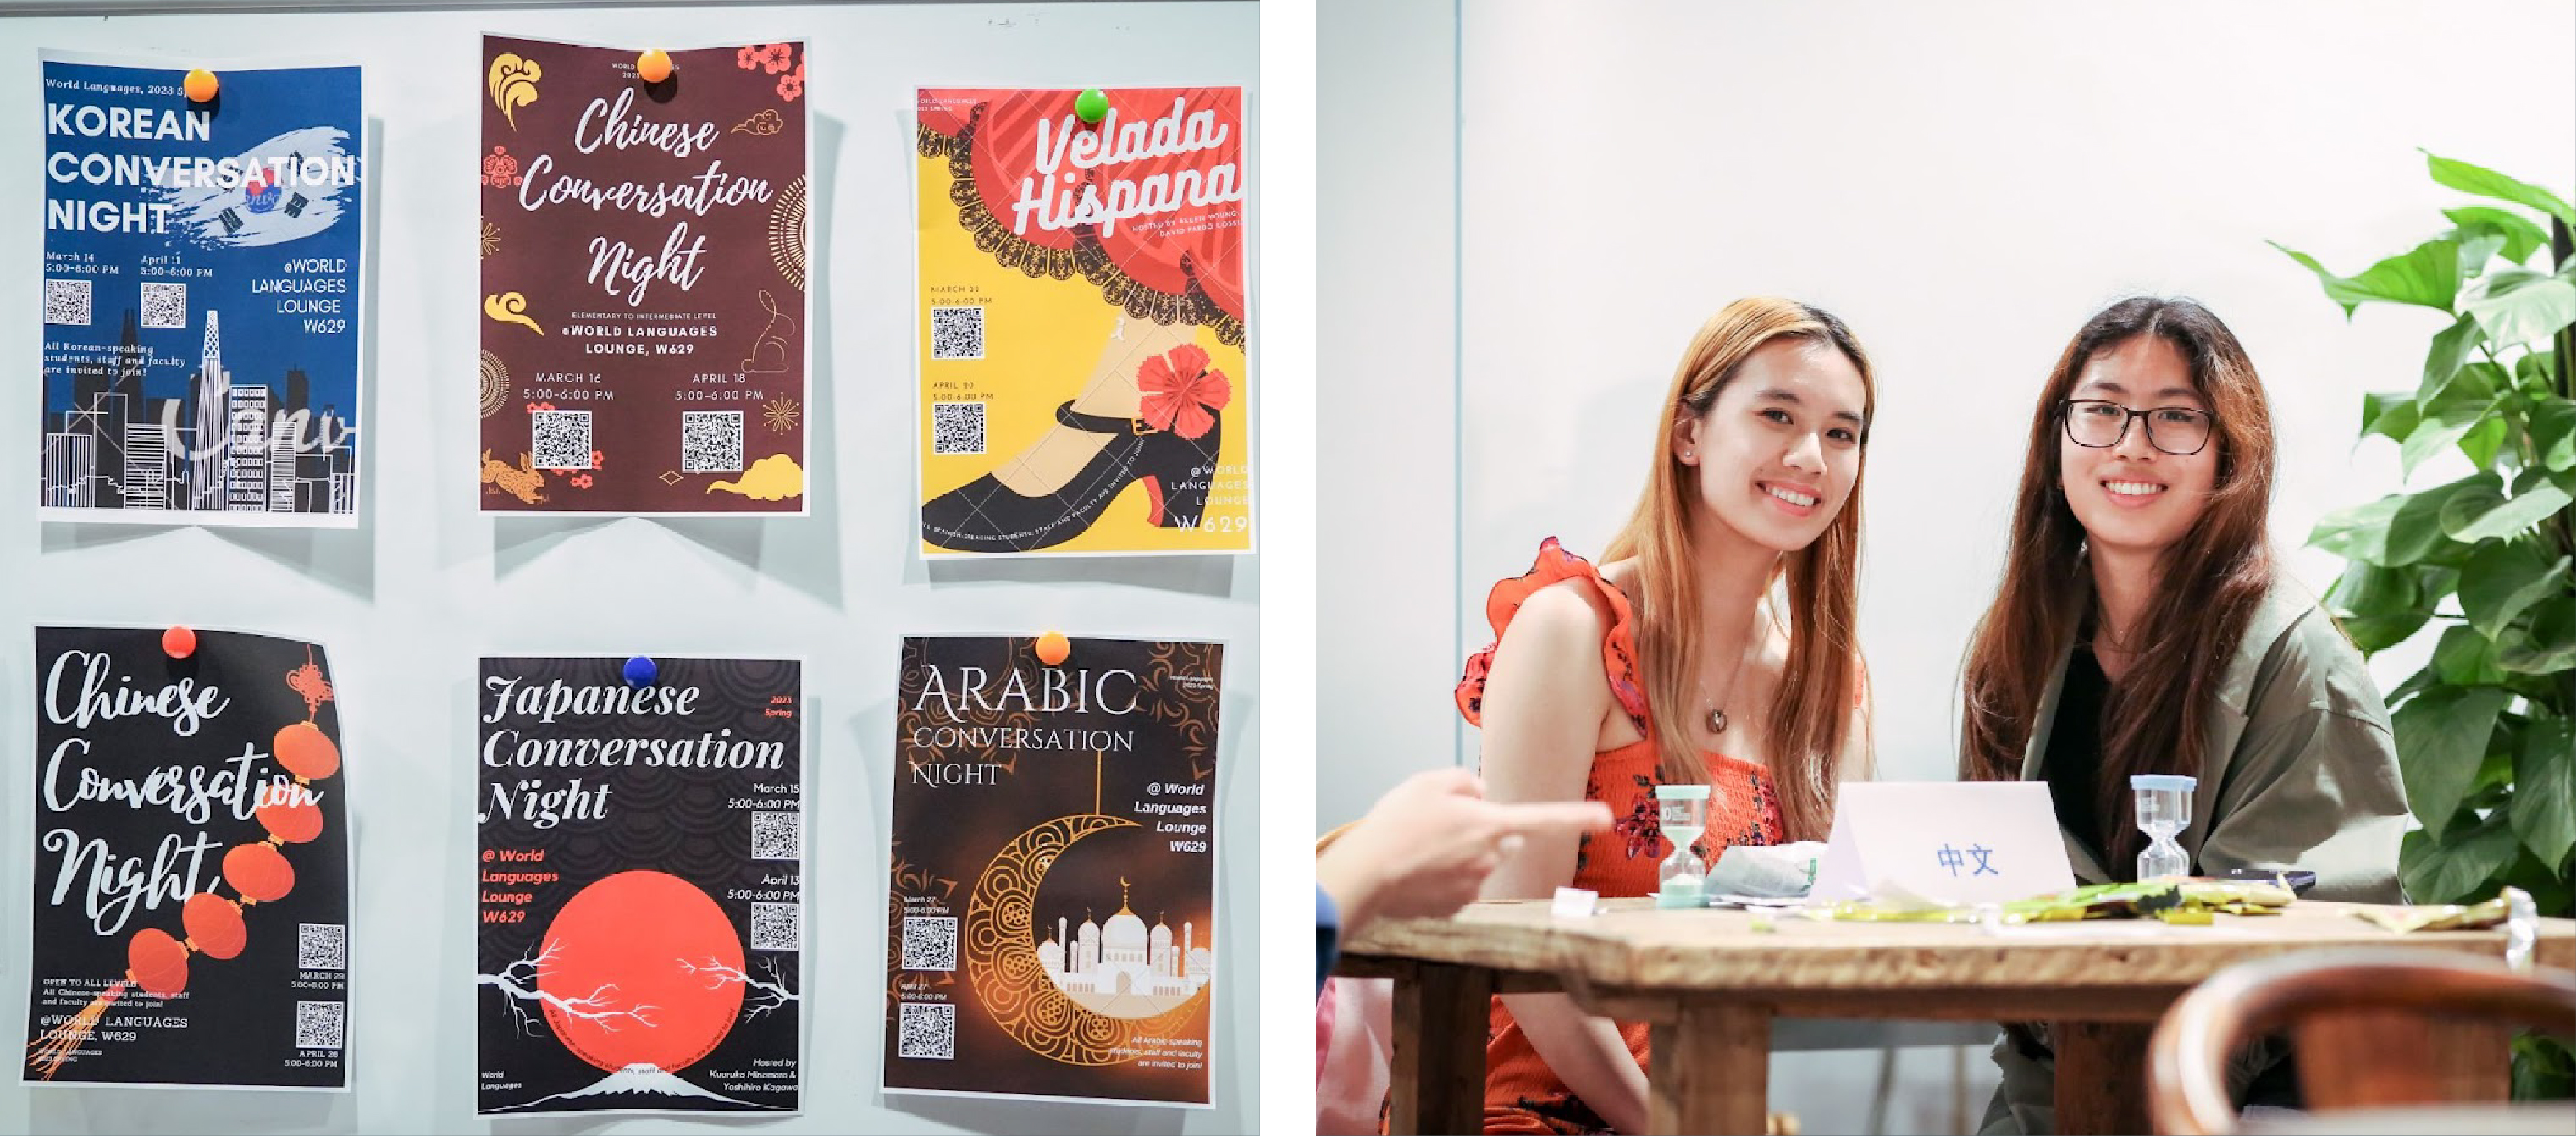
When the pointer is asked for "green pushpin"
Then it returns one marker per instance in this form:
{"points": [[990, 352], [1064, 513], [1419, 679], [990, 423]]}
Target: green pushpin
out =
{"points": [[1091, 106]]}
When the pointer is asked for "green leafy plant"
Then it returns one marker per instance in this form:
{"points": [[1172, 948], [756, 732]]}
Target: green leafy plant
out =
{"points": [[2486, 731]]}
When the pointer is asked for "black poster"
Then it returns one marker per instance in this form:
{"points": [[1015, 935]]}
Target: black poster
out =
{"points": [[192, 862], [641, 884]]}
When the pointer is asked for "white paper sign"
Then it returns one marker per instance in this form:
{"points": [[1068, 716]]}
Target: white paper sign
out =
{"points": [[1944, 843]]}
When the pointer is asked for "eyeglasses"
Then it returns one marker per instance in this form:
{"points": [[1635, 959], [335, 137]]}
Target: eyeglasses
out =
{"points": [[2096, 424]]}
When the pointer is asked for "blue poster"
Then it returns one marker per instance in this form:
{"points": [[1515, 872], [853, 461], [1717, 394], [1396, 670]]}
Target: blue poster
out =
{"points": [[202, 295]]}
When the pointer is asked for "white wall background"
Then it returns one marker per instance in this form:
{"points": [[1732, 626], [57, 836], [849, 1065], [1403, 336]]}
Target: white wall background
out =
{"points": [[408, 601], [1963, 182]]}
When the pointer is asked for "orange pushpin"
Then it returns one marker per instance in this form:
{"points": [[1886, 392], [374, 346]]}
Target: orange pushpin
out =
{"points": [[653, 66], [179, 642], [200, 86], [1053, 648]]}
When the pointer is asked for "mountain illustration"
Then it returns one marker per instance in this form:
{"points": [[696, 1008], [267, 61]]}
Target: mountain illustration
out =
{"points": [[638, 1080]]}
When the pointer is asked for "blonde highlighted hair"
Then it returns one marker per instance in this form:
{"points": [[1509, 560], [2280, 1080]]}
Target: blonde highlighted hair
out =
{"points": [[1810, 715]]}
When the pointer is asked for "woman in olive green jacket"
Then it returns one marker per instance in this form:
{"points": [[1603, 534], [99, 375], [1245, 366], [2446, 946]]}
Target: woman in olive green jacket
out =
{"points": [[2143, 627]]}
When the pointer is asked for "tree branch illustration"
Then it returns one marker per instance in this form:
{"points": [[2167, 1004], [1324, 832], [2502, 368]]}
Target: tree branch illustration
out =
{"points": [[760, 996], [518, 981]]}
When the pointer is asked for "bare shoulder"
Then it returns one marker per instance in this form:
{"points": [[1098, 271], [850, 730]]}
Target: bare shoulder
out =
{"points": [[1560, 626]]}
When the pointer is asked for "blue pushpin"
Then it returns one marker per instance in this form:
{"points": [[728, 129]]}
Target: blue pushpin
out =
{"points": [[640, 671]]}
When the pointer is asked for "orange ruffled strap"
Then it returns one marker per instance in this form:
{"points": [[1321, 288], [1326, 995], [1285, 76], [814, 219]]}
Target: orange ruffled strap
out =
{"points": [[1618, 648]]}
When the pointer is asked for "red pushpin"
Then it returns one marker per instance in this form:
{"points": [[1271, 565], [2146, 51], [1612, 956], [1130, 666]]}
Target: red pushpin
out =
{"points": [[1054, 648], [179, 642], [653, 66], [200, 86]]}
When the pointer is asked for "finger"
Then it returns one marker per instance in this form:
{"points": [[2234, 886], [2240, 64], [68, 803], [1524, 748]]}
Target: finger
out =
{"points": [[1556, 818]]}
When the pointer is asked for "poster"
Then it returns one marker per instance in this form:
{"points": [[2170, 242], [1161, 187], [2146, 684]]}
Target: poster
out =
{"points": [[1051, 926], [202, 296], [1082, 322], [191, 907], [640, 886], [643, 304]]}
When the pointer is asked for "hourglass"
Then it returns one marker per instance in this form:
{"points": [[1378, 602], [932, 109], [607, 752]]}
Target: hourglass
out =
{"points": [[1683, 811], [2164, 810]]}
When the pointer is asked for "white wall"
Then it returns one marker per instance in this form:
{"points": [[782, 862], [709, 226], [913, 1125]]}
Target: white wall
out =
{"points": [[407, 602], [1964, 182], [1386, 399]]}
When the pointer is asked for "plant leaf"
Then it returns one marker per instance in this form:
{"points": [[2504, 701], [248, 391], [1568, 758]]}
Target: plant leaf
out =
{"points": [[2504, 578], [2544, 789], [2428, 276], [2485, 441], [2481, 517], [2553, 433], [2379, 607], [2523, 307], [2485, 182], [2466, 658], [2450, 349], [2389, 413], [2545, 643], [2441, 739], [2520, 235], [2458, 870]]}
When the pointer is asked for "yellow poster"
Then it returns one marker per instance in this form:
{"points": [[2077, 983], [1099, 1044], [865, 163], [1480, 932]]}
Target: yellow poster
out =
{"points": [[1082, 322]]}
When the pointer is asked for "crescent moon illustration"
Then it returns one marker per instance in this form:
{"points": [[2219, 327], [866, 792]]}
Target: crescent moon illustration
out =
{"points": [[1002, 958]]}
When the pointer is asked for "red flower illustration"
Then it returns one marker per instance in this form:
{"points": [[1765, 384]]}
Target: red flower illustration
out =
{"points": [[1181, 392], [780, 56], [792, 84], [500, 170], [597, 459], [750, 56], [581, 482]]}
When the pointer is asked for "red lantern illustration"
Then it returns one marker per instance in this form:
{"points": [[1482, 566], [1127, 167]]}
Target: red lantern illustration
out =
{"points": [[295, 822], [157, 963], [307, 752], [214, 925], [259, 872]]}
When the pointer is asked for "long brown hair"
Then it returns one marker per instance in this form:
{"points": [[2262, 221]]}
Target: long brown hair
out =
{"points": [[1811, 711], [2208, 585]]}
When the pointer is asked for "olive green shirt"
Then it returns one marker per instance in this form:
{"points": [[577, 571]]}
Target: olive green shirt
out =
{"points": [[2301, 772]]}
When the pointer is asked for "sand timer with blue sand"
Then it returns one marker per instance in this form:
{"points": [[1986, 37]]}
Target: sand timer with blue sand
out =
{"points": [[1683, 813], [2164, 810]]}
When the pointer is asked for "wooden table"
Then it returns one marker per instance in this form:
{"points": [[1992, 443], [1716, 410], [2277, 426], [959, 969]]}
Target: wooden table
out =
{"points": [[1709, 983]]}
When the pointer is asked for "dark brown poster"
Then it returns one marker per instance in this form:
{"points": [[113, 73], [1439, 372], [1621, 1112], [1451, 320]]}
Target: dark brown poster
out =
{"points": [[643, 308], [1052, 922]]}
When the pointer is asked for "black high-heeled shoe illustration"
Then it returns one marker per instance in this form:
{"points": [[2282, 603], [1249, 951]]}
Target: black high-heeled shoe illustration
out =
{"points": [[985, 515]]}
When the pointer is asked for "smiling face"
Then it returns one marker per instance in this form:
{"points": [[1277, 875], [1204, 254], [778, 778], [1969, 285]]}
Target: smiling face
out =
{"points": [[2133, 497], [1776, 453]]}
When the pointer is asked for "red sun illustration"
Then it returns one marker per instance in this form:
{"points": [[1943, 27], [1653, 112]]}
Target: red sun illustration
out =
{"points": [[628, 943]]}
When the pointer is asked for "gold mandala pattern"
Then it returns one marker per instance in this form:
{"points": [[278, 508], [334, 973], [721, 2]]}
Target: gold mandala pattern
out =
{"points": [[787, 233], [1002, 959], [496, 384]]}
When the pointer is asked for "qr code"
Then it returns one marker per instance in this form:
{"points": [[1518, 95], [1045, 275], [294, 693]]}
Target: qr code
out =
{"points": [[561, 439], [321, 1025], [929, 1029], [165, 305], [711, 441], [67, 302], [956, 428], [929, 942], [777, 927], [322, 946], [956, 333], [777, 836]]}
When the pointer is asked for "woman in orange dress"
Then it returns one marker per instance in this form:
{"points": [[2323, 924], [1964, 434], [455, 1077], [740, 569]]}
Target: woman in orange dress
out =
{"points": [[1683, 658]]}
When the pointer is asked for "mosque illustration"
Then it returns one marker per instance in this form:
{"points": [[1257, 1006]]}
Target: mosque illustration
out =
{"points": [[1121, 969]]}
